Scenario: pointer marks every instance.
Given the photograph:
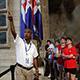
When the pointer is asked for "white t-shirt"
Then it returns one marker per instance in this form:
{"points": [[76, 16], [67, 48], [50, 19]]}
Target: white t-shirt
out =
{"points": [[25, 53], [51, 47]]}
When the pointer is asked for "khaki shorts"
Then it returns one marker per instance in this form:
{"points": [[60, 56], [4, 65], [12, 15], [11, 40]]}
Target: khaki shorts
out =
{"points": [[24, 74]]}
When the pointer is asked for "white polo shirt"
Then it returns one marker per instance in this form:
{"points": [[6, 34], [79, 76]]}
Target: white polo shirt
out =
{"points": [[25, 53]]}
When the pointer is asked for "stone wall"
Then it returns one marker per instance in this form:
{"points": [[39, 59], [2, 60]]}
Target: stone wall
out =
{"points": [[45, 18], [7, 55], [60, 25]]}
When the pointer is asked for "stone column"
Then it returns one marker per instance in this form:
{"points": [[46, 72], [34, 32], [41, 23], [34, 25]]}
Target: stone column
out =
{"points": [[45, 18]]}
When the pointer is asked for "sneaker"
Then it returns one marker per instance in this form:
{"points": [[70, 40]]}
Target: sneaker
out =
{"points": [[49, 76]]}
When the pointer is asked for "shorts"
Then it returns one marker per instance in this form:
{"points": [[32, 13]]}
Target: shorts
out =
{"points": [[60, 67], [72, 70]]}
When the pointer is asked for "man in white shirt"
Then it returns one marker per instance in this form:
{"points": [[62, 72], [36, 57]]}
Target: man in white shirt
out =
{"points": [[26, 54], [50, 53]]}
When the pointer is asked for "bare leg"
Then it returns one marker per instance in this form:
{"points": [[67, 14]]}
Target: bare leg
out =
{"points": [[73, 77]]}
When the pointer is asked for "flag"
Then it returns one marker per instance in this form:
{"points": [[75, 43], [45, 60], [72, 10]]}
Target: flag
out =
{"points": [[25, 17], [37, 23], [22, 17], [31, 17], [28, 16]]}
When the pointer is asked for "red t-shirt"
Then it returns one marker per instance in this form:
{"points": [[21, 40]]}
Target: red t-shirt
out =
{"points": [[70, 63]]}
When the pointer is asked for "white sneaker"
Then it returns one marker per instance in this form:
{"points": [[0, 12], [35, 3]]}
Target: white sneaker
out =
{"points": [[49, 76]]}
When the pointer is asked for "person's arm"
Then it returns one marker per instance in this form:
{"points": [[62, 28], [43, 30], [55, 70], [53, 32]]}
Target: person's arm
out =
{"points": [[12, 28], [73, 54], [36, 67], [69, 56], [35, 61]]}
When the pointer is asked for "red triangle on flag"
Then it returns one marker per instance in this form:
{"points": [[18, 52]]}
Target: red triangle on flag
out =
{"points": [[24, 5]]}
